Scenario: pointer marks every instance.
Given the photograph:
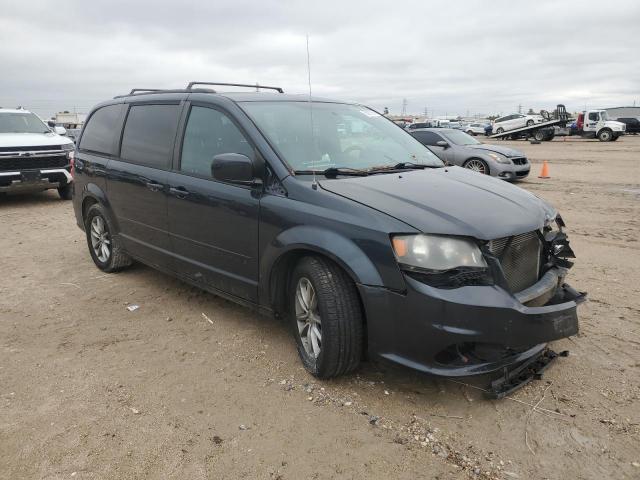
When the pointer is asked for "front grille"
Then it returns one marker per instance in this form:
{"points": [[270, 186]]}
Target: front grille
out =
{"points": [[33, 163], [520, 259], [519, 160], [38, 148]]}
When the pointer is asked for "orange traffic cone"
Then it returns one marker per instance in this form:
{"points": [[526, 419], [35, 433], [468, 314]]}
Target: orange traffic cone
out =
{"points": [[544, 173]]}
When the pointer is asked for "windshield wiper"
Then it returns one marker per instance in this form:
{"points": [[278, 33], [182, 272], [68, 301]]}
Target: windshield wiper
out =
{"points": [[399, 166], [333, 172]]}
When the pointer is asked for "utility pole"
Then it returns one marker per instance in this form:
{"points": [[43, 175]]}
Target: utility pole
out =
{"points": [[426, 111], [404, 106], [520, 108]]}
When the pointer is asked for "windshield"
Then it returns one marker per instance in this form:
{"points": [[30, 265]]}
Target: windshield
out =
{"points": [[458, 137], [13, 122], [344, 136], [604, 116]]}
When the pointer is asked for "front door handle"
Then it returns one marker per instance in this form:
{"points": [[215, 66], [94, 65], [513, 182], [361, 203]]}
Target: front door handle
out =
{"points": [[154, 187], [179, 192]]}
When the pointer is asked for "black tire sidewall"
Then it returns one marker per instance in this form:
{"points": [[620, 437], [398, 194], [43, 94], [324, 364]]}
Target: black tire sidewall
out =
{"points": [[94, 211], [304, 269]]}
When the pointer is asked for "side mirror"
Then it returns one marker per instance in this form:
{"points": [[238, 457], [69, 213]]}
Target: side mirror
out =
{"points": [[234, 168], [60, 130], [442, 144]]}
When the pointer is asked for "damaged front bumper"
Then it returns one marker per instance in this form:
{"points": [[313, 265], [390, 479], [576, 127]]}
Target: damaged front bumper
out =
{"points": [[465, 331], [475, 329]]}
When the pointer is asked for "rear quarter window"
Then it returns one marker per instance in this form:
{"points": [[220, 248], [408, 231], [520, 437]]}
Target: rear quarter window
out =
{"points": [[101, 130], [149, 134]]}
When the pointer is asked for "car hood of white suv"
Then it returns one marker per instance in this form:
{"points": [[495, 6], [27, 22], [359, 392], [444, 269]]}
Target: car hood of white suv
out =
{"points": [[32, 139]]}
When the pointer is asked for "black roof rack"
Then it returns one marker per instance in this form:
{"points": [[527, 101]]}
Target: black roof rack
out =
{"points": [[256, 86], [151, 91], [144, 90]]}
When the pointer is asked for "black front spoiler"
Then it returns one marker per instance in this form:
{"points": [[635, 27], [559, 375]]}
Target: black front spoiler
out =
{"points": [[514, 378]]}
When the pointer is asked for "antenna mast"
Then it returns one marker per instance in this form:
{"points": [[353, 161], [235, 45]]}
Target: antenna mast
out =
{"points": [[314, 185]]}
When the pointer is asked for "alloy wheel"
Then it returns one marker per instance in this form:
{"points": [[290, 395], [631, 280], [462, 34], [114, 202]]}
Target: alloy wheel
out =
{"points": [[308, 317], [100, 239], [476, 166]]}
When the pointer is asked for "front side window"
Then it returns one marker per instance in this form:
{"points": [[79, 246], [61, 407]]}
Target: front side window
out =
{"points": [[593, 116], [100, 131], [18, 122], [427, 138], [458, 137], [210, 132], [149, 134], [319, 135]]}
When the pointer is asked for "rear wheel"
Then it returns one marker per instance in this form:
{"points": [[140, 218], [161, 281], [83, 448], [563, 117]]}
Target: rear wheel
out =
{"points": [[477, 165], [326, 318], [500, 130], [539, 135], [66, 192], [605, 135], [105, 247], [529, 123]]}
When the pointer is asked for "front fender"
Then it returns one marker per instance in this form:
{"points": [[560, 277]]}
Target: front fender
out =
{"points": [[326, 242], [304, 238]]}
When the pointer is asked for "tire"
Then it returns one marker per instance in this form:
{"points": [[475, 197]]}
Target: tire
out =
{"points": [[471, 132], [112, 257], [477, 165], [500, 130], [615, 137], [66, 192], [605, 135], [540, 135], [530, 122], [336, 319]]}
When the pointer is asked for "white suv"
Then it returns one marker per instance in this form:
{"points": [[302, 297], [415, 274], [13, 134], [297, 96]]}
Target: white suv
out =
{"points": [[32, 156], [515, 120]]}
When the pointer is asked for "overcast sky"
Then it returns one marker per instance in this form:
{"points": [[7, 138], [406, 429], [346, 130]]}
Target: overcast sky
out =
{"points": [[448, 56]]}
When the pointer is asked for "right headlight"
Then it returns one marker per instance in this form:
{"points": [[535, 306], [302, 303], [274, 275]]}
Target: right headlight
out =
{"points": [[436, 253], [499, 158]]}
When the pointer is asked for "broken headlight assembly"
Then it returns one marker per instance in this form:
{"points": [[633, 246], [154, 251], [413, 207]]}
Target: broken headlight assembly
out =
{"points": [[441, 261]]}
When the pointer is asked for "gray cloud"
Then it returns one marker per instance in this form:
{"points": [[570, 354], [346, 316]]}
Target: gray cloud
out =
{"points": [[451, 57]]}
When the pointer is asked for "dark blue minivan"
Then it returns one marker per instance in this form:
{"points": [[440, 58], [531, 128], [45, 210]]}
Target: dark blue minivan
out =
{"points": [[326, 214]]}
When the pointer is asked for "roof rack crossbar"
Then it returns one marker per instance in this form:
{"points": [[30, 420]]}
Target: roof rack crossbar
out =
{"points": [[134, 90], [256, 86]]}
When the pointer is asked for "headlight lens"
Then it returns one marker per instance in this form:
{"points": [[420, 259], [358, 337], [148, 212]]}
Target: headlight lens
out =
{"points": [[436, 253], [68, 146], [499, 158]]}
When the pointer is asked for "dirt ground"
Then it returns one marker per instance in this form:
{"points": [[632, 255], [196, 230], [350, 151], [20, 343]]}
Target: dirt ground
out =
{"points": [[192, 386]]}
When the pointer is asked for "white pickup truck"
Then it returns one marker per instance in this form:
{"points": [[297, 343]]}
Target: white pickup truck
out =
{"points": [[33, 156]]}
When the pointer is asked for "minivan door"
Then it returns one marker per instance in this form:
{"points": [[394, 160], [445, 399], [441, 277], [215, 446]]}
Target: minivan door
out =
{"points": [[213, 225], [137, 181]]}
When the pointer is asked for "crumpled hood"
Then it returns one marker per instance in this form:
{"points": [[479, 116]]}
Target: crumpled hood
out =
{"points": [[506, 151], [32, 139], [448, 201]]}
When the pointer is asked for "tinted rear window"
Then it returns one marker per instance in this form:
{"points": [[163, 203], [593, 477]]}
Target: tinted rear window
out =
{"points": [[100, 131], [149, 134]]}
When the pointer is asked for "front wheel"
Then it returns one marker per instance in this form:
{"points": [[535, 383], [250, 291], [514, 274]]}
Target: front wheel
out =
{"points": [[477, 165], [605, 135], [326, 318], [500, 130], [105, 247]]}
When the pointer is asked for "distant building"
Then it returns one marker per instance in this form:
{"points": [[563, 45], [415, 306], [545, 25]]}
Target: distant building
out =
{"points": [[623, 112], [69, 120]]}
